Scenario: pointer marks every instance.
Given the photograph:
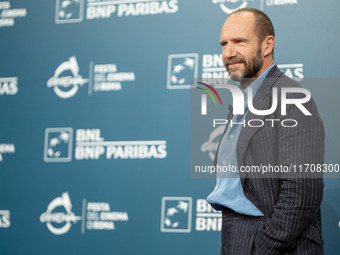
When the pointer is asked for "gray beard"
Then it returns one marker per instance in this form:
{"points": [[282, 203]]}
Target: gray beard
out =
{"points": [[250, 69]]}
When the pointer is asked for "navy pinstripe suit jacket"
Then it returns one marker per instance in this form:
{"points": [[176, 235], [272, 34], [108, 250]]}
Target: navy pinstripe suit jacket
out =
{"points": [[290, 204]]}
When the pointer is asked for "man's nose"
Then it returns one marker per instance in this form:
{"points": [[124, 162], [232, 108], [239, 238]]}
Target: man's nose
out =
{"points": [[229, 51]]}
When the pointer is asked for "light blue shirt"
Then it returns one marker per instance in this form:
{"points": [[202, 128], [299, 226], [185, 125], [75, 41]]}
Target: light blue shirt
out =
{"points": [[228, 191]]}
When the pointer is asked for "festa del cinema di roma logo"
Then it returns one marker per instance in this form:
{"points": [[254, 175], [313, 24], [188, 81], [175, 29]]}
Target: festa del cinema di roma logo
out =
{"points": [[66, 79], [59, 222], [228, 6], [96, 216]]}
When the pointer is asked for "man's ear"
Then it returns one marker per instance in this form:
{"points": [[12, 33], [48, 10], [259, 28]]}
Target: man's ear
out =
{"points": [[268, 45]]}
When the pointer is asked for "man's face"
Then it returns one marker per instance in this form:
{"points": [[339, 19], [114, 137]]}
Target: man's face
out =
{"points": [[242, 54]]}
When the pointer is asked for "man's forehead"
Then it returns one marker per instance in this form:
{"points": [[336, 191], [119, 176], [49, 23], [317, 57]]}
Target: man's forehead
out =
{"points": [[241, 22], [243, 16]]}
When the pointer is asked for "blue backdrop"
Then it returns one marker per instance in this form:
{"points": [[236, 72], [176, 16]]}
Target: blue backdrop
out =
{"points": [[95, 130]]}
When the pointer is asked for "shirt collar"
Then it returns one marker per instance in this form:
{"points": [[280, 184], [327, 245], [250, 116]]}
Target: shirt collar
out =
{"points": [[255, 85]]}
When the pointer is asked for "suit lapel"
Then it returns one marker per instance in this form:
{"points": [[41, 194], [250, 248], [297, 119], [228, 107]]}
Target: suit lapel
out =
{"points": [[262, 101]]}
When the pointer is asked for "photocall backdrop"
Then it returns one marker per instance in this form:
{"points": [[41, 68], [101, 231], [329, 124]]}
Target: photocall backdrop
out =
{"points": [[95, 130]]}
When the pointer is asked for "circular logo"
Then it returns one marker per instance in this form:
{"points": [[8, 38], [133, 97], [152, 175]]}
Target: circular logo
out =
{"points": [[66, 218], [211, 145], [233, 5], [66, 86]]}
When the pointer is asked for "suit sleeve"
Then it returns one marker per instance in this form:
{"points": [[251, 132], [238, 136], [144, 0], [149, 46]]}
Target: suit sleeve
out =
{"points": [[300, 193]]}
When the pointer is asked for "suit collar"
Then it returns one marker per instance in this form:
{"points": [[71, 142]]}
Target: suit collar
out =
{"points": [[260, 104], [262, 101], [273, 74]]}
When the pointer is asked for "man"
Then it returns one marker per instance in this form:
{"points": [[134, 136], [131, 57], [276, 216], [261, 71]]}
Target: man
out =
{"points": [[267, 214]]}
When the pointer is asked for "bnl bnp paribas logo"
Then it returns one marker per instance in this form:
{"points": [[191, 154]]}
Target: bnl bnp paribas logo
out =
{"points": [[5, 219], [58, 145], [177, 215], [90, 145], [228, 6], [71, 11], [181, 69], [184, 68], [59, 216], [8, 86], [67, 80]]}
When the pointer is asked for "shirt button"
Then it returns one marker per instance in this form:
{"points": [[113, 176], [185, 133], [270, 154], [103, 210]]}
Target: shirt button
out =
{"points": [[231, 136], [224, 162]]}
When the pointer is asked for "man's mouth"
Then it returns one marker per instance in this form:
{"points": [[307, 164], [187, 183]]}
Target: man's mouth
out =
{"points": [[234, 64]]}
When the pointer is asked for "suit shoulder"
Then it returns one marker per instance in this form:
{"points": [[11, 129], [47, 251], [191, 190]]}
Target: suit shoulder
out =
{"points": [[284, 81]]}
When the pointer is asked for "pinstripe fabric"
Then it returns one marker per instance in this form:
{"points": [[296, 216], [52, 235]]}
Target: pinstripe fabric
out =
{"points": [[238, 233], [290, 203]]}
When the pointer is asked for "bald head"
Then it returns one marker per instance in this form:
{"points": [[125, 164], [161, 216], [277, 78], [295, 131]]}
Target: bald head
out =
{"points": [[262, 25], [247, 46]]}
